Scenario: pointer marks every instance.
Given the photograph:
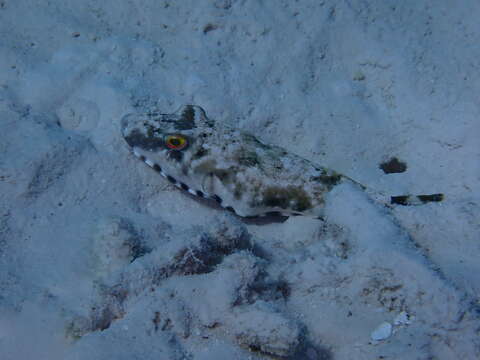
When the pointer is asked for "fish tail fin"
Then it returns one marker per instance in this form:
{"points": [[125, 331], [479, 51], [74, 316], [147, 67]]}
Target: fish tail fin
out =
{"points": [[412, 200]]}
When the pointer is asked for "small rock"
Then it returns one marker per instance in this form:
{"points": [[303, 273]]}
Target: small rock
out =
{"points": [[401, 319], [260, 328], [382, 332], [209, 27], [359, 76]]}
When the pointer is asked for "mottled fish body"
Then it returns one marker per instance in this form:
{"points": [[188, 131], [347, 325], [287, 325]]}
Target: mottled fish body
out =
{"points": [[213, 160]]}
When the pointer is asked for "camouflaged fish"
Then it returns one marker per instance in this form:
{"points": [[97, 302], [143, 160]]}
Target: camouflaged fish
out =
{"points": [[247, 177]]}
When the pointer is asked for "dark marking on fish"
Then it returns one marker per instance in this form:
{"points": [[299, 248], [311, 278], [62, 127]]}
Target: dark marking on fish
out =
{"points": [[171, 179], [175, 155], [217, 198], [286, 197]]}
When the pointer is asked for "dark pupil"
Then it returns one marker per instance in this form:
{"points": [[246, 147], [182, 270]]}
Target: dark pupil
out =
{"points": [[175, 142]]}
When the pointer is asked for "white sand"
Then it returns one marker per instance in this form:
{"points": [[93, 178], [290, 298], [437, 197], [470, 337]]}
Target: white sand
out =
{"points": [[100, 258]]}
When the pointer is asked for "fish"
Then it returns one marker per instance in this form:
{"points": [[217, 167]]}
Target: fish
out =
{"points": [[212, 160]]}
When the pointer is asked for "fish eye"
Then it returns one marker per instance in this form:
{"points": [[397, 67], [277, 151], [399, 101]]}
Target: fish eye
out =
{"points": [[176, 142]]}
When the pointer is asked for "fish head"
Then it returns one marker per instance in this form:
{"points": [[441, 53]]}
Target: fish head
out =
{"points": [[165, 138]]}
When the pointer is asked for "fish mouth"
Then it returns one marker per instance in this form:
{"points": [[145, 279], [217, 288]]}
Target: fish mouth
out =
{"points": [[158, 168], [147, 139], [126, 122]]}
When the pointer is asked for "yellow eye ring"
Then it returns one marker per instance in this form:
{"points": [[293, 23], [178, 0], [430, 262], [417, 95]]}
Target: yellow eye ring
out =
{"points": [[176, 142]]}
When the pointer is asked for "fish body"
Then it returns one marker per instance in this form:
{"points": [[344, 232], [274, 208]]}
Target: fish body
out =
{"points": [[212, 160]]}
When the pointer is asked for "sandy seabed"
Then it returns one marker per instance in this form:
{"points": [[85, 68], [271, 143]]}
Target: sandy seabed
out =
{"points": [[101, 258]]}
